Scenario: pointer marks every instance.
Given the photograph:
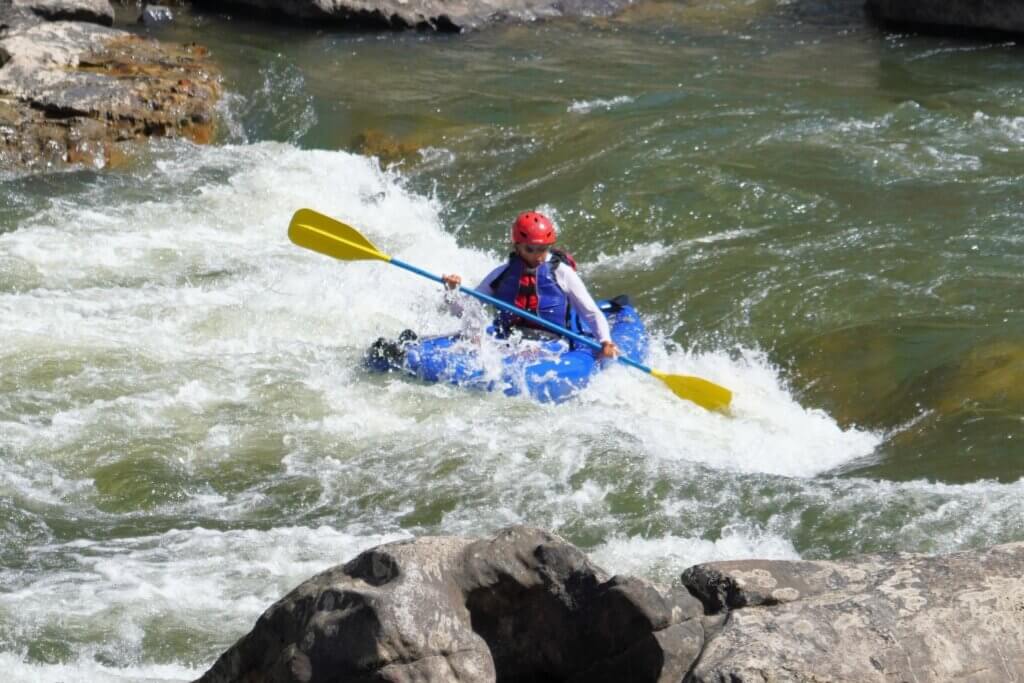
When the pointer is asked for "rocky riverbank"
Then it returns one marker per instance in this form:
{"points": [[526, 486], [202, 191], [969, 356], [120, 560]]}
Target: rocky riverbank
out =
{"points": [[437, 15], [526, 605], [74, 90]]}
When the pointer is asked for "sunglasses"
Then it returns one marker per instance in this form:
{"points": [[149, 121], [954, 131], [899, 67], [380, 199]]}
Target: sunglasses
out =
{"points": [[531, 249]]}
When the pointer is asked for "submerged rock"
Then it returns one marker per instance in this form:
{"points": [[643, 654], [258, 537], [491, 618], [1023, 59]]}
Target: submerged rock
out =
{"points": [[989, 15], [989, 376], [522, 606], [388, 148], [440, 15], [906, 617], [156, 15], [73, 92]]}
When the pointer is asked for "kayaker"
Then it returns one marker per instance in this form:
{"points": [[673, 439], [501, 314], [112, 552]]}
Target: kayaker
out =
{"points": [[543, 281]]}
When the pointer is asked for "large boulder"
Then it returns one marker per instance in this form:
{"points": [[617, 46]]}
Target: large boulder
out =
{"points": [[527, 606], [441, 15], [991, 15], [522, 606], [74, 92], [902, 618]]}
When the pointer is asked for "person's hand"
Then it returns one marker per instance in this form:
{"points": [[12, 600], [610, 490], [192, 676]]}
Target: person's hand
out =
{"points": [[609, 349], [451, 281]]}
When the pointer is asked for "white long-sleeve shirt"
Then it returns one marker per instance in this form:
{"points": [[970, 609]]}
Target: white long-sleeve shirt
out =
{"points": [[570, 282]]}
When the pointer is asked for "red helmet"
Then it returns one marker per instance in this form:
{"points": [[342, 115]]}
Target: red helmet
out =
{"points": [[533, 228]]}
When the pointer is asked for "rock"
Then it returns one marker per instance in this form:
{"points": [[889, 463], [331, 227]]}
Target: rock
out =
{"points": [[156, 15], [387, 148], [93, 11], [527, 606], [440, 15], [988, 376], [11, 18], [902, 618], [77, 92], [522, 606], [997, 15]]}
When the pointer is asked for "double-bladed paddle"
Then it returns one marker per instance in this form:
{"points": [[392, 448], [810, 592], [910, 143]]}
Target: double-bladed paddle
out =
{"points": [[325, 235]]}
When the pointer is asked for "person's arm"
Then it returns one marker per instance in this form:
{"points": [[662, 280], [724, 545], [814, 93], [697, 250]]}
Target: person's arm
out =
{"points": [[454, 301], [587, 308]]}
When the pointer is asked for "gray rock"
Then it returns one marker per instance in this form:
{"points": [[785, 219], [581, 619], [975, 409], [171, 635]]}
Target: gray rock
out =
{"points": [[92, 11], [998, 15], [40, 68], [156, 15], [527, 606], [524, 605], [442, 15], [902, 618], [12, 17]]}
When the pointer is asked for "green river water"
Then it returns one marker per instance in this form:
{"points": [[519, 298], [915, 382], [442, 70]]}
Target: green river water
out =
{"points": [[819, 214]]}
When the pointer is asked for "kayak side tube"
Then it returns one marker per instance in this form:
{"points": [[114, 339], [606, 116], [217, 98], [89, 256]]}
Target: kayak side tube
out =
{"points": [[554, 378]]}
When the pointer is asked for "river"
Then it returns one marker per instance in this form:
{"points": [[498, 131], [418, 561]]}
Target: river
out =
{"points": [[819, 215]]}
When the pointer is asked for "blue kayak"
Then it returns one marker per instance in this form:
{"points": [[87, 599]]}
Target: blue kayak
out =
{"points": [[546, 367]]}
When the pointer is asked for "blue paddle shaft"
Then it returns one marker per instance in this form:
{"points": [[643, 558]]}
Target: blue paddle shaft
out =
{"points": [[498, 303]]}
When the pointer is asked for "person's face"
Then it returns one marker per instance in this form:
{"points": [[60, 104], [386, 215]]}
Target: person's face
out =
{"points": [[533, 254]]}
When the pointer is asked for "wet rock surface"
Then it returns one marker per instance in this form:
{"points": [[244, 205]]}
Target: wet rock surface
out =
{"points": [[77, 92], [156, 15], [95, 11], [985, 15], [526, 605], [388, 148], [440, 15], [900, 618]]}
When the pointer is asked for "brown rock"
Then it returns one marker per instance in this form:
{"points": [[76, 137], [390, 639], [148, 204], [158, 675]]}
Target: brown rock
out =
{"points": [[70, 92], [387, 148]]}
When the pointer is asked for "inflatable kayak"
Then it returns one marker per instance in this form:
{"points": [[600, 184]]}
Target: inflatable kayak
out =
{"points": [[539, 364]]}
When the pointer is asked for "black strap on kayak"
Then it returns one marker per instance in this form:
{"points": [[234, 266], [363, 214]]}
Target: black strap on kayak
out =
{"points": [[617, 304]]}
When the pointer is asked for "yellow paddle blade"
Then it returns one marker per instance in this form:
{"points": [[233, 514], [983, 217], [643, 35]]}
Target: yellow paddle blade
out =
{"points": [[323, 234], [702, 392]]}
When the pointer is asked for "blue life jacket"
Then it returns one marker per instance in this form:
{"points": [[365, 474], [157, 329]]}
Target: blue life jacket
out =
{"points": [[542, 289]]}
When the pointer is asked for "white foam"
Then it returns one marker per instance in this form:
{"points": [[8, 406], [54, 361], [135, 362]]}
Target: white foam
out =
{"points": [[587, 106], [881, 144], [205, 290], [637, 257], [17, 669], [926, 515], [1009, 128], [649, 254], [113, 596], [666, 557], [765, 431]]}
